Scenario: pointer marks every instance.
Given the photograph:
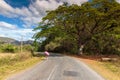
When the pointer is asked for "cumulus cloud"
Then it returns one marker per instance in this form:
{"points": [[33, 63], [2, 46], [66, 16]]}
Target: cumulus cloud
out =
{"points": [[79, 2], [5, 9], [13, 31], [33, 14], [4, 25], [17, 34], [30, 15]]}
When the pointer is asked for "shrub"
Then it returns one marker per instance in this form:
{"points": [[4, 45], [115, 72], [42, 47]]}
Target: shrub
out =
{"points": [[27, 47], [9, 48]]}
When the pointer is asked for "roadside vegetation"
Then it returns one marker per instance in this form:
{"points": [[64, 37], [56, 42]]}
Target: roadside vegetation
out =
{"points": [[92, 29], [12, 60], [109, 70]]}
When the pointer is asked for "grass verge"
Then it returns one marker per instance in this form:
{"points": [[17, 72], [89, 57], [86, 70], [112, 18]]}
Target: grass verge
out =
{"points": [[108, 70], [13, 65]]}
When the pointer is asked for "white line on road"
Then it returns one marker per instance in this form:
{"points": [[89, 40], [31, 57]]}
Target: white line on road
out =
{"points": [[27, 70], [52, 72]]}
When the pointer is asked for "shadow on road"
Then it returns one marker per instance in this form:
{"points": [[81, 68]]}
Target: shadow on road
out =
{"points": [[56, 55], [41, 54]]}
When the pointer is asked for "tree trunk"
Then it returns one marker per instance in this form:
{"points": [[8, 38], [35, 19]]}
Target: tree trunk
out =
{"points": [[81, 49]]}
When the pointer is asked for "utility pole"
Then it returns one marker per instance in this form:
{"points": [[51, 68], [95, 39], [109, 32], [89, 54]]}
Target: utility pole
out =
{"points": [[21, 44]]}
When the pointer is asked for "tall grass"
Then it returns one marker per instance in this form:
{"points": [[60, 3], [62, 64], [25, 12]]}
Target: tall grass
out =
{"points": [[10, 48], [10, 60], [11, 65]]}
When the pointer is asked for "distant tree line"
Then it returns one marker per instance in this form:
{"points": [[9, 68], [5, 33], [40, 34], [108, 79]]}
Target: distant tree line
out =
{"points": [[11, 48], [92, 28]]}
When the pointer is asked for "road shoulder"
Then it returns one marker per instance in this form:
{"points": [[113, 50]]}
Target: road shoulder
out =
{"points": [[100, 69]]}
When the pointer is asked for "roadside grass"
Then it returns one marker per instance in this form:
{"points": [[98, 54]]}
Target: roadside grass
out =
{"points": [[109, 70], [12, 64], [6, 54]]}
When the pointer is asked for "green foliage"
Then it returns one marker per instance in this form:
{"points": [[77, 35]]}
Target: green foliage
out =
{"points": [[93, 24], [104, 44], [9, 48], [27, 47], [51, 46], [35, 46]]}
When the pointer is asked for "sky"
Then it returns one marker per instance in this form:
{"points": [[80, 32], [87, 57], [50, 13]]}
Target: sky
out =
{"points": [[19, 17]]}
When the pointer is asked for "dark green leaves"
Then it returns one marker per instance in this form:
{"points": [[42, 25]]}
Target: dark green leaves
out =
{"points": [[77, 25]]}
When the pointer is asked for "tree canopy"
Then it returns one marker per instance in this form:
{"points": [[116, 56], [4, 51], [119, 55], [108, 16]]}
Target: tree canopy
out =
{"points": [[74, 28]]}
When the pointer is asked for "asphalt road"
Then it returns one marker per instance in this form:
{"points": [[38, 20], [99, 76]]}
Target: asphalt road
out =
{"points": [[58, 67]]}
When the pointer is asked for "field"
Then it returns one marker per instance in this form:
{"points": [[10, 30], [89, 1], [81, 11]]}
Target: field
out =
{"points": [[13, 63], [6, 54]]}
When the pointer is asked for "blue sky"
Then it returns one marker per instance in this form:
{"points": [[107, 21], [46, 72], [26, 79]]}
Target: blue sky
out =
{"points": [[19, 17]]}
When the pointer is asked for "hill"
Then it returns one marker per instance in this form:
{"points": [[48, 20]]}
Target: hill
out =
{"points": [[13, 41], [6, 40]]}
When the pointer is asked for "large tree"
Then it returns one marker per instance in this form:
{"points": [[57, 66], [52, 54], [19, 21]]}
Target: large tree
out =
{"points": [[82, 23]]}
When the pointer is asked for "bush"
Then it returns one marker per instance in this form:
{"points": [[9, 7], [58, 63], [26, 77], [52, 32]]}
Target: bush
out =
{"points": [[9, 48], [27, 47]]}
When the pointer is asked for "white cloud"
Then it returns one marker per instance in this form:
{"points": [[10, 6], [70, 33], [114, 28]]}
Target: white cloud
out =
{"points": [[36, 10], [118, 1], [46, 5], [30, 15], [1, 35], [6, 9], [12, 31], [79, 2], [7, 25], [17, 34]]}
